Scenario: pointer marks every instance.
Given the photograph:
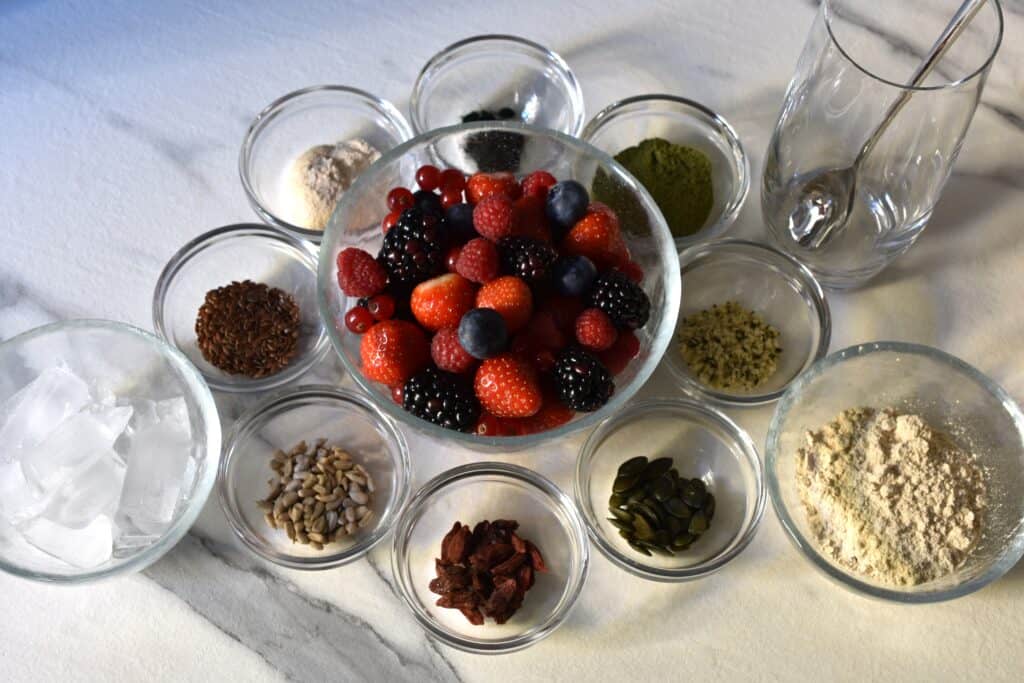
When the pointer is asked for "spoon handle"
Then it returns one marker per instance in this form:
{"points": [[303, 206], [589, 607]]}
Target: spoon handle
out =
{"points": [[953, 30]]}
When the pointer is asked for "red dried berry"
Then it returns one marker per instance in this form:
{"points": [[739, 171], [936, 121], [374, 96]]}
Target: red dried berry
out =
{"points": [[359, 274], [452, 179], [358, 320], [595, 330], [448, 353], [381, 307], [400, 199], [428, 177], [478, 261]]}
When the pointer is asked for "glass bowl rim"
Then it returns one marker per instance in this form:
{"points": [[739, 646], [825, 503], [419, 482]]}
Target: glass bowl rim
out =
{"points": [[691, 256], [239, 231], [547, 55], [556, 497], [256, 415], [828, 11], [252, 133], [734, 433], [1013, 549], [505, 443], [196, 386], [722, 128]]}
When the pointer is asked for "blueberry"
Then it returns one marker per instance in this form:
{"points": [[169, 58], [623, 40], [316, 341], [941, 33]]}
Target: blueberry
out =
{"points": [[566, 204], [573, 275], [460, 222], [428, 202], [482, 333]]}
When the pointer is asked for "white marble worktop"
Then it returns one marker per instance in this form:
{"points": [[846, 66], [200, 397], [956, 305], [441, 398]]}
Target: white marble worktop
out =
{"points": [[121, 122]]}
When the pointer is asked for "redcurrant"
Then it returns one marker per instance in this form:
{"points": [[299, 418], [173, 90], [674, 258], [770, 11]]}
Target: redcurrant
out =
{"points": [[390, 220], [359, 320], [400, 199], [452, 179], [428, 178], [381, 307]]}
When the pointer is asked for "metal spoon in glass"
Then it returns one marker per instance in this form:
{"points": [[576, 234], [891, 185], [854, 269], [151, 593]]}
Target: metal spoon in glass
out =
{"points": [[827, 199]]}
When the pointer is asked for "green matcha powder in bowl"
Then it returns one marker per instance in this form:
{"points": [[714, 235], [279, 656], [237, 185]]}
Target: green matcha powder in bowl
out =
{"points": [[687, 157]]}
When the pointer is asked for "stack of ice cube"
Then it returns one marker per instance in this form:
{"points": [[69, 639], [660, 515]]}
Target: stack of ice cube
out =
{"points": [[84, 477]]}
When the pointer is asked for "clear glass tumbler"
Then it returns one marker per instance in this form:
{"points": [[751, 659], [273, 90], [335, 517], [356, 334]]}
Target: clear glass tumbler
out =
{"points": [[856, 65]]}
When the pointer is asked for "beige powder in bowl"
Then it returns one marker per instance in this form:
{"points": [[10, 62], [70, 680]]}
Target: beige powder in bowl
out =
{"points": [[315, 181]]}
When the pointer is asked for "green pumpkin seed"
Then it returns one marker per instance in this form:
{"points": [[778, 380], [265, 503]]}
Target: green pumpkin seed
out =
{"points": [[661, 550], [694, 492], [683, 541], [647, 511], [677, 508], [616, 500], [628, 535], [632, 466], [662, 537], [662, 488], [624, 483], [642, 528], [709, 507], [635, 496], [639, 548], [621, 514], [698, 524], [656, 468], [620, 525], [674, 525]]}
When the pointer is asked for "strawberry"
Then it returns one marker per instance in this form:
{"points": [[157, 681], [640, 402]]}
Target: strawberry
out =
{"points": [[597, 237], [495, 217], [540, 336], [595, 330], [478, 261], [442, 301], [359, 274], [625, 349], [507, 386], [392, 351], [533, 221], [509, 296], [537, 184], [448, 353], [482, 185]]}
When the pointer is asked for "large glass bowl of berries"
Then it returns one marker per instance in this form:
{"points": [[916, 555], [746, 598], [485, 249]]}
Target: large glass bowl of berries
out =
{"points": [[497, 310]]}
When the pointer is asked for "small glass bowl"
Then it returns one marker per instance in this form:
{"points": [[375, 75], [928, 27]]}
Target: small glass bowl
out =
{"points": [[292, 124], [951, 395], [765, 280], [488, 491], [492, 72], [704, 444], [310, 412], [134, 366], [217, 258], [628, 122]]}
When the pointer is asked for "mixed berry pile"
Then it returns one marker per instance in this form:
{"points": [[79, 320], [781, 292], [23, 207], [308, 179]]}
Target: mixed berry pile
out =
{"points": [[495, 305]]}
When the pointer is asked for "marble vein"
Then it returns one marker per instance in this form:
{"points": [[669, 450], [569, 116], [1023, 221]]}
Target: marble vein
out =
{"points": [[304, 638]]}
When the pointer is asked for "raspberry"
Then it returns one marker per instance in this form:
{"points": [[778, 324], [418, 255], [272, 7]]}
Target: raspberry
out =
{"points": [[537, 183], [359, 274], [482, 185], [495, 217], [595, 330], [509, 296], [478, 261], [448, 353]]}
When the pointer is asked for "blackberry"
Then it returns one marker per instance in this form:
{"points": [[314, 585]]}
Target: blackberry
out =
{"points": [[442, 398], [527, 257], [413, 249], [621, 299], [582, 381]]}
